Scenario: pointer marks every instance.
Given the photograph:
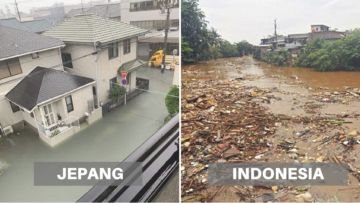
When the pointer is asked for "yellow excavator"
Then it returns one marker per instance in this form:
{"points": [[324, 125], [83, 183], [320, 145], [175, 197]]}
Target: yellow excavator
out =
{"points": [[157, 57]]}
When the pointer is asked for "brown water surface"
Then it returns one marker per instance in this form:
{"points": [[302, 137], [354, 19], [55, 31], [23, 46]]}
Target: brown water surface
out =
{"points": [[316, 79]]}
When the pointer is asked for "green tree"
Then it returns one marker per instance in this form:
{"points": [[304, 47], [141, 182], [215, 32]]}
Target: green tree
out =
{"points": [[172, 101], [342, 54], [245, 48], [193, 29]]}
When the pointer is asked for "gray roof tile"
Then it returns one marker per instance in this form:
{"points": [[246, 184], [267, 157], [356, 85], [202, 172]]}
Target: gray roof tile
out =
{"points": [[43, 84], [92, 28], [15, 42], [35, 26]]}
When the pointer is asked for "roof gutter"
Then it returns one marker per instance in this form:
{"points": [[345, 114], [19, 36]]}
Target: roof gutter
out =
{"points": [[27, 53]]}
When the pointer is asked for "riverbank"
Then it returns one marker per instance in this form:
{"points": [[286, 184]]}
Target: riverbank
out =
{"points": [[239, 109]]}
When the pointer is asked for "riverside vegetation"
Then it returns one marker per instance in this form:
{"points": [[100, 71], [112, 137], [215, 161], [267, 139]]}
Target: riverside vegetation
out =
{"points": [[201, 43]]}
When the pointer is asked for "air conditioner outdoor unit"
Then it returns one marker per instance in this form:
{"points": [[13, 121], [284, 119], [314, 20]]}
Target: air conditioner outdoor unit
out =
{"points": [[8, 130]]}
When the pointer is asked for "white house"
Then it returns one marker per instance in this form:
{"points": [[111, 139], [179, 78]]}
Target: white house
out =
{"points": [[36, 90], [99, 48]]}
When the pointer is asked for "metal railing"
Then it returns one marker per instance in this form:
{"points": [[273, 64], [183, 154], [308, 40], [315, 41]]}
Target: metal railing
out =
{"points": [[160, 158], [61, 126]]}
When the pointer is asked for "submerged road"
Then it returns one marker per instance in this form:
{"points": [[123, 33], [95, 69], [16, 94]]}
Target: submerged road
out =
{"points": [[113, 138]]}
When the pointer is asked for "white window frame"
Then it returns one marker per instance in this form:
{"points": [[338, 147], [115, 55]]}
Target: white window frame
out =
{"points": [[48, 111]]}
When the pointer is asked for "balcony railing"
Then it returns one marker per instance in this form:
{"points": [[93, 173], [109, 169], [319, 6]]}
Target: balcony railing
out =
{"points": [[61, 127]]}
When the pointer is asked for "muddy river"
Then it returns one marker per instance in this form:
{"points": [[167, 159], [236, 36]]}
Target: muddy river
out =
{"points": [[299, 94], [224, 69]]}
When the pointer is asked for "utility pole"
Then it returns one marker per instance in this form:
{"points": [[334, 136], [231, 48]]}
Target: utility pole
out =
{"points": [[167, 7], [275, 34], [17, 10]]}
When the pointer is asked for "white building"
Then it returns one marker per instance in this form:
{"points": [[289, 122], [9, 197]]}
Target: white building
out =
{"points": [[34, 88], [99, 48], [148, 14]]}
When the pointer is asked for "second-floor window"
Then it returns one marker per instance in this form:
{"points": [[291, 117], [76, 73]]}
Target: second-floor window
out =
{"points": [[66, 59], [113, 50], [10, 68], [127, 46]]}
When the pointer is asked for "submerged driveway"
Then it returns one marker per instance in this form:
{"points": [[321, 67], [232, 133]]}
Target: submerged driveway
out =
{"points": [[112, 138]]}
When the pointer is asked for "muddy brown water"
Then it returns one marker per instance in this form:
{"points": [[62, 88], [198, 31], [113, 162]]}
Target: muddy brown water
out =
{"points": [[295, 87], [223, 69], [316, 79]]}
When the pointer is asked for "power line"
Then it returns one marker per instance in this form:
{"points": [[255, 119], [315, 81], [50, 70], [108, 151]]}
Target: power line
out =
{"points": [[92, 53]]}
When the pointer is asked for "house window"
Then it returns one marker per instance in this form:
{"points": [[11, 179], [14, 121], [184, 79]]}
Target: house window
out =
{"points": [[69, 104], [113, 81], [66, 59], [10, 68], [127, 46], [49, 115], [14, 107], [35, 55], [113, 50]]}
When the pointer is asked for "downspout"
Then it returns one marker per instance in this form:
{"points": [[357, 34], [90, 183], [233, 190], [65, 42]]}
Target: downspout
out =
{"points": [[96, 44]]}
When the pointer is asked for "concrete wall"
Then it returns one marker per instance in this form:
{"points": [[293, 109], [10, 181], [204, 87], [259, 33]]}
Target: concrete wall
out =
{"points": [[80, 100], [85, 66], [30, 120], [99, 67], [7, 117], [46, 59]]}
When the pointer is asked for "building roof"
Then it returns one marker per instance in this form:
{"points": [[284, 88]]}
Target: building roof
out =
{"points": [[320, 25], [297, 36], [104, 10], [43, 84], [327, 35], [36, 26], [133, 65], [92, 28], [15, 42]]}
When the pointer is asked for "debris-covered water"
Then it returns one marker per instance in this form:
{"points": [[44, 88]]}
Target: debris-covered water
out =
{"points": [[239, 109]]}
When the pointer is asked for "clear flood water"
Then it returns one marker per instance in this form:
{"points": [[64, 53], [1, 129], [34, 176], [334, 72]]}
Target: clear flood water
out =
{"points": [[112, 138]]}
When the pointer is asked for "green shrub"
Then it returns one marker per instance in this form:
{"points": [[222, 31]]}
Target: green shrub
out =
{"points": [[117, 91], [172, 100]]}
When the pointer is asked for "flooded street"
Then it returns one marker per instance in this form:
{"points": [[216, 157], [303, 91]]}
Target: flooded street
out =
{"points": [[111, 139], [285, 114]]}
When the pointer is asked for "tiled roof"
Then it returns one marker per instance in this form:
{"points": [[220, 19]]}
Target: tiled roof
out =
{"points": [[43, 84], [92, 28], [35, 26], [15, 42]]}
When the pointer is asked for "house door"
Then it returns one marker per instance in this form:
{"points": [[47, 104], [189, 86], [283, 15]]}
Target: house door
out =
{"points": [[49, 115]]}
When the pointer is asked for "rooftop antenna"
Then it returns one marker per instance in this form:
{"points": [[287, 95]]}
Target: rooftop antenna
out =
{"points": [[17, 10]]}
